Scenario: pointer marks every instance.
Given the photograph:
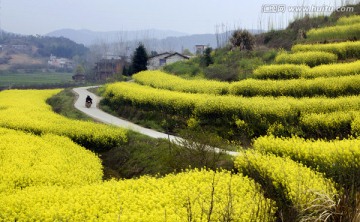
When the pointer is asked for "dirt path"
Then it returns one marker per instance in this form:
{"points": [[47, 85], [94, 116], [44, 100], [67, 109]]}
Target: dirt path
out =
{"points": [[104, 117]]}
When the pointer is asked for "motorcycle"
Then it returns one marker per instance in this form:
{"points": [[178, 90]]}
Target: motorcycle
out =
{"points": [[88, 104]]}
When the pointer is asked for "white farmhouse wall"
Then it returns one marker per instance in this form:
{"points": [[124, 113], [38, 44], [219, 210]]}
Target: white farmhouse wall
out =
{"points": [[165, 58], [154, 62]]}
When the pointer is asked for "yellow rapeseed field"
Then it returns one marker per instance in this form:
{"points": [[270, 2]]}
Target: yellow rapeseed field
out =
{"points": [[27, 110]]}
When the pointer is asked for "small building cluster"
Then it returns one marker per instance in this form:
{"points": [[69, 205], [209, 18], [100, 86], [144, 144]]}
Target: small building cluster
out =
{"points": [[110, 65], [62, 63]]}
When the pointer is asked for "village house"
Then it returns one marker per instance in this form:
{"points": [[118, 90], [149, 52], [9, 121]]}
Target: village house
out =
{"points": [[200, 49], [108, 67], [157, 61]]}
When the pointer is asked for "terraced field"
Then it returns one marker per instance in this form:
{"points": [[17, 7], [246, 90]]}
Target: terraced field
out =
{"points": [[303, 162], [302, 113]]}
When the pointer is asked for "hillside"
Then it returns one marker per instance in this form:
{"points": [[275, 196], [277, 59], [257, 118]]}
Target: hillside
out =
{"points": [[286, 38], [32, 52], [229, 64], [17, 60]]}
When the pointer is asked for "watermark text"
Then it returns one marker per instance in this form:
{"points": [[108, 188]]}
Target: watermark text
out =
{"points": [[282, 8]]}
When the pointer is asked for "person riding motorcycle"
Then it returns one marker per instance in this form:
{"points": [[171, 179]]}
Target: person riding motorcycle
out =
{"points": [[88, 99]]}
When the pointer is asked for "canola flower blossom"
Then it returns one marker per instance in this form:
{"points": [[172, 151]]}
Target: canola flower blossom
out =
{"points": [[27, 110], [348, 49], [338, 159], [198, 194], [348, 20], [27, 160], [48, 177], [321, 86], [337, 32], [289, 71], [310, 58], [159, 79], [298, 183]]}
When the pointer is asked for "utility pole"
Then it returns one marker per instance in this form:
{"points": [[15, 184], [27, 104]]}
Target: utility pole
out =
{"points": [[1, 31]]}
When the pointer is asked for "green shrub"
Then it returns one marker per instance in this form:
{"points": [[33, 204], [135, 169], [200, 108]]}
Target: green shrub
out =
{"points": [[281, 71], [183, 68], [339, 32], [312, 58], [343, 50], [221, 72], [327, 125]]}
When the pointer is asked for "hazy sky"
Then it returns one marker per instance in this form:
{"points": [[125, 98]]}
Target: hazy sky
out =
{"points": [[189, 16]]}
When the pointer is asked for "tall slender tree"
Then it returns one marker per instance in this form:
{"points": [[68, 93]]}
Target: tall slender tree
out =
{"points": [[139, 60], [206, 59]]}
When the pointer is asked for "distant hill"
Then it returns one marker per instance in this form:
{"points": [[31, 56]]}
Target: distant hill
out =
{"points": [[88, 37], [153, 39], [28, 52], [42, 46]]}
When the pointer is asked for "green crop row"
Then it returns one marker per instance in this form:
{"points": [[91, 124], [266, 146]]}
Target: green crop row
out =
{"points": [[330, 87], [158, 79], [355, 126], [310, 58], [343, 50], [287, 180], [281, 71], [338, 69], [287, 71], [338, 159], [329, 125], [339, 32], [353, 19]]}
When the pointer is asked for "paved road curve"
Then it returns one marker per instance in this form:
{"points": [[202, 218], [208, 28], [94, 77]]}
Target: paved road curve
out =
{"points": [[104, 117]]}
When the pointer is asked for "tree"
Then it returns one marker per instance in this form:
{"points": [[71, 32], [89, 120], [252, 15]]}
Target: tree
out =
{"points": [[206, 59], [139, 60], [242, 39], [80, 70], [187, 52]]}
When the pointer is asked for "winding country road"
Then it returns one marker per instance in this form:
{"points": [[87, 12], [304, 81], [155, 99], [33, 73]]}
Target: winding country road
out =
{"points": [[104, 117]]}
